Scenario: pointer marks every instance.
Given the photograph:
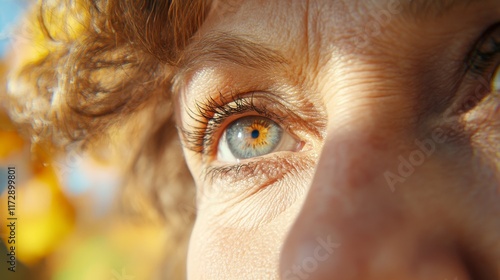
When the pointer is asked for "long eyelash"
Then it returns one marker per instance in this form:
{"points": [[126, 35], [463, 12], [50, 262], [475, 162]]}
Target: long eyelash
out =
{"points": [[211, 113], [480, 61]]}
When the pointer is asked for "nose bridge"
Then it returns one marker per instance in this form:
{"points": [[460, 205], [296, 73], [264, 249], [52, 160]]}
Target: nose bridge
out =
{"points": [[337, 231], [350, 171], [346, 203], [371, 118], [351, 160]]}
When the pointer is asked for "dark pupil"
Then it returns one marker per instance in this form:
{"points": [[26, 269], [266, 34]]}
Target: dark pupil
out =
{"points": [[255, 134]]}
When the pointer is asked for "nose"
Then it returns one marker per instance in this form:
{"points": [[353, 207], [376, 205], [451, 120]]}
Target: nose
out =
{"points": [[353, 226]]}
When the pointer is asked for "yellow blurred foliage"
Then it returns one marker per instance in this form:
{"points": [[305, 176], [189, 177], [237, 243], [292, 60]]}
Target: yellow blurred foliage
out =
{"points": [[44, 216], [10, 143], [47, 215], [62, 23]]}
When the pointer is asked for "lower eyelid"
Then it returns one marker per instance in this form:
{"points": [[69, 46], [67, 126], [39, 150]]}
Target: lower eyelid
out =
{"points": [[262, 171]]}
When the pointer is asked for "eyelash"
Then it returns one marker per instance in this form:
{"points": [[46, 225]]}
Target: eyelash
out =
{"points": [[212, 114], [482, 63]]}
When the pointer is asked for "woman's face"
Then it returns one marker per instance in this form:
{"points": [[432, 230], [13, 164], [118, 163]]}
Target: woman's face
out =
{"points": [[344, 139]]}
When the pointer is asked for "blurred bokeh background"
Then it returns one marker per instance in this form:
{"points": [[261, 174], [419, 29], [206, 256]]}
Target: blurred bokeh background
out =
{"points": [[65, 224]]}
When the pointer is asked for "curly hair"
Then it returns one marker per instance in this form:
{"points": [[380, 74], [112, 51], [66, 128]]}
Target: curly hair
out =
{"points": [[93, 71]]}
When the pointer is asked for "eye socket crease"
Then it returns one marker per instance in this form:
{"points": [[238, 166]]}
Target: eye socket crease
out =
{"points": [[223, 47]]}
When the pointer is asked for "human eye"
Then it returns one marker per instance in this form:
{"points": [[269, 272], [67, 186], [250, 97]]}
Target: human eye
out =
{"points": [[259, 135], [243, 134], [483, 72], [253, 136], [241, 127]]}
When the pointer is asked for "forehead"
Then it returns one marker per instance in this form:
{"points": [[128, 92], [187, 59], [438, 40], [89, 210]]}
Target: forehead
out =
{"points": [[350, 9], [322, 21], [308, 34]]}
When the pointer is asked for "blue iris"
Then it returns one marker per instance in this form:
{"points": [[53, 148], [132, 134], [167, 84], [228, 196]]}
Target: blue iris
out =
{"points": [[253, 136]]}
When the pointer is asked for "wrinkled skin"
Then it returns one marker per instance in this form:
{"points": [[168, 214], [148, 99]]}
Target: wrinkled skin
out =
{"points": [[393, 178]]}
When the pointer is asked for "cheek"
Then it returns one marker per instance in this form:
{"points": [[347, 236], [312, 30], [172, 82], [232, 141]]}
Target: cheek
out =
{"points": [[252, 207], [218, 251], [241, 233]]}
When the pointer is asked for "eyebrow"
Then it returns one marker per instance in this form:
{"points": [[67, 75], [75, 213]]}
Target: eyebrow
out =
{"points": [[433, 8], [221, 47]]}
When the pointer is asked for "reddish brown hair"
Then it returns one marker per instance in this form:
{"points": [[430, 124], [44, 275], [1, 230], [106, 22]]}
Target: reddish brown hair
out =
{"points": [[111, 80]]}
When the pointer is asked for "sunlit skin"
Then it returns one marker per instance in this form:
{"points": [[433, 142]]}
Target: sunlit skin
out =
{"points": [[393, 172]]}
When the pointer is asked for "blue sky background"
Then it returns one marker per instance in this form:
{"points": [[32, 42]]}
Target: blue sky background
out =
{"points": [[10, 11]]}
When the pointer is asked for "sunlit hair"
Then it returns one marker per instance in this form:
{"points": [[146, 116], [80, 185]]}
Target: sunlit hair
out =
{"points": [[94, 71]]}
